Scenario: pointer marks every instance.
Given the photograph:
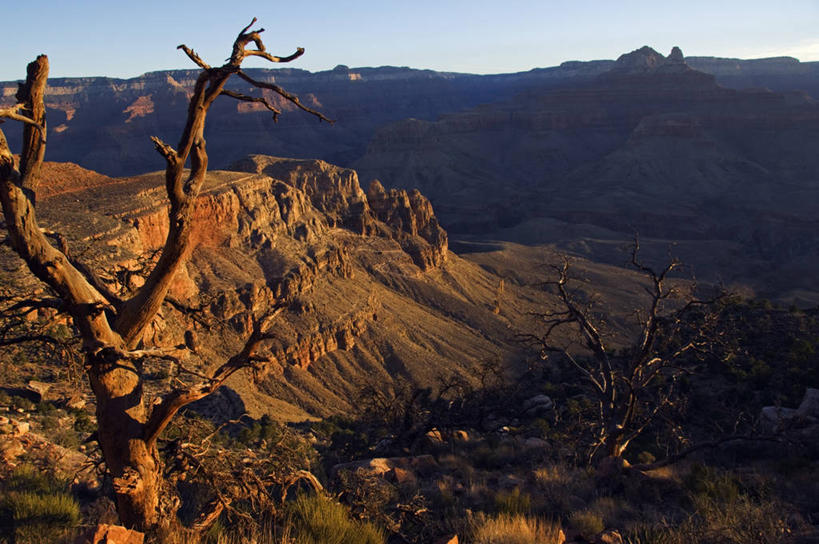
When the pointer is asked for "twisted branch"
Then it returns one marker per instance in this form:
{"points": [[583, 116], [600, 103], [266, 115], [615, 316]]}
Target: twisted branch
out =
{"points": [[258, 100], [284, 94], [167, 407], [193, 56], [11, 113]]}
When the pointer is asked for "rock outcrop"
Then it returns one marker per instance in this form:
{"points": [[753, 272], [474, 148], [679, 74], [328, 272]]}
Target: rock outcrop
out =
{"points": [[368, 293], [336, 193], [414, 223], [333, 191]]}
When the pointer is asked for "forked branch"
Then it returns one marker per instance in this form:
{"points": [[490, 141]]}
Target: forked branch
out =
{"points": [[167, 407], [183, 187]]}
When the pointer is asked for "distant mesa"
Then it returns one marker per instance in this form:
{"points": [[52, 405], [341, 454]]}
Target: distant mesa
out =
{"points": [[647, 59], [645, 67]]}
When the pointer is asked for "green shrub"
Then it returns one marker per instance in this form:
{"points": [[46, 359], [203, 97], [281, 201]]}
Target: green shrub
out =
{"points": [[35, 507], [316, 519], [706, 482]]}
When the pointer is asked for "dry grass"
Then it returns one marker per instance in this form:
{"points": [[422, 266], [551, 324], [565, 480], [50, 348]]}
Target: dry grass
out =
{"points": [[516, 529], [563, 489]]}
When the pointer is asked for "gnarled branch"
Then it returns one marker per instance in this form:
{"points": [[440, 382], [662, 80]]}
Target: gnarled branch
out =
{"points": [[11, 113], [165, 150], [17, 196], [183, 189], [284, 94], [193, 56], [254, 99], [167, 407]]}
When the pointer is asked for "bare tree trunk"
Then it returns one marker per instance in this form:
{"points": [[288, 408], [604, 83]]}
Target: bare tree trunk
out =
{"points": [[134, 465]]}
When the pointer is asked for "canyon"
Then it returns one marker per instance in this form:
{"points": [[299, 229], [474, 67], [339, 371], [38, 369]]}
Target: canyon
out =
{"points": [[518, 168], [104, 123], [652, 147]]}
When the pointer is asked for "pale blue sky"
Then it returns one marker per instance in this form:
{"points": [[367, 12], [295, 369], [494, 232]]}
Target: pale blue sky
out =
{"points": [[125, 39]]}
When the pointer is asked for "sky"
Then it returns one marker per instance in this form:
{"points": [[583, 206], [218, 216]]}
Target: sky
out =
{"points": [[125, 39]]}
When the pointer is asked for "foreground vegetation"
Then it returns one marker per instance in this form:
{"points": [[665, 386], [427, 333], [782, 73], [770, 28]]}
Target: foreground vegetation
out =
{"points": [[490, 463]]}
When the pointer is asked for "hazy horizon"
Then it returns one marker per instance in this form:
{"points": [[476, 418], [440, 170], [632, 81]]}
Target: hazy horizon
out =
{"points": [[93, 38]]}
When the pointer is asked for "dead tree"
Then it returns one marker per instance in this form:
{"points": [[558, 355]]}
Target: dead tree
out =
{"points": [[110, 328], [632, 385]]}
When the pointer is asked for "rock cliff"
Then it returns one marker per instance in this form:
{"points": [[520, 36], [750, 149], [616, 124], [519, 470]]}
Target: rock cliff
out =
{"points": [[371, 293], [105, 124]]}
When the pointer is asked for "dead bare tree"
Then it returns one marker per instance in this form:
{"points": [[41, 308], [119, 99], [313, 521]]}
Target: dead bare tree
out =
{"points": [[111, 328], [632, 385]]}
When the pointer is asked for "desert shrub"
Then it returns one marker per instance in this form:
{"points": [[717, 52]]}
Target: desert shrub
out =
{"points": [[262, 429], [492, 458], [84, 424], [587, 523], [515, 529], [652, 534], [54, 426], [315, 519], [22, 403], [707, 482], [612, 511], [740, 521], [563, 487], [513, 502], [35, 508]]}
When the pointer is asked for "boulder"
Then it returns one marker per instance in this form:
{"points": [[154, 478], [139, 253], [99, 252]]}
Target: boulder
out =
{"points": [[434, 437], [384, 466], [403, 476], [776, 418], [10, 450], [609, 536], [810, 404], [538, 405], [15, 427], [75, 401], [39, 390], [111, 534], [534, 443]]}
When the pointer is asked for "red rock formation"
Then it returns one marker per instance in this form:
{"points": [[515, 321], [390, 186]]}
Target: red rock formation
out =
{"points": [[408, 217]]}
